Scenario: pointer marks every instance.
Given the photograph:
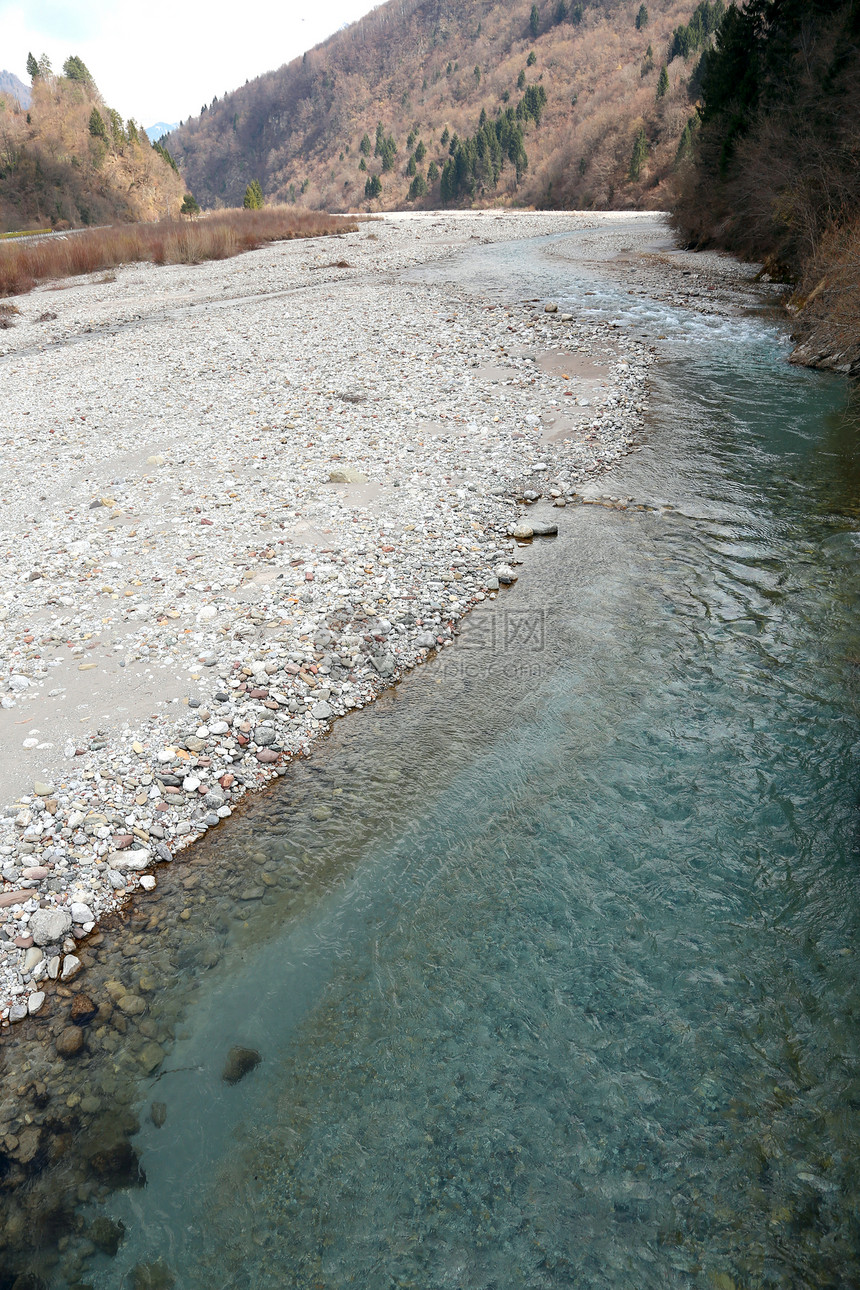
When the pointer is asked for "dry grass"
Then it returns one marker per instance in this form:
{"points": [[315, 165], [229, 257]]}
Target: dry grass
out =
{"points": [[23, 265]]}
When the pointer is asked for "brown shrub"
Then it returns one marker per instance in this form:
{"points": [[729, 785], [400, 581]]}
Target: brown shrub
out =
{"points": [[26, 263]]}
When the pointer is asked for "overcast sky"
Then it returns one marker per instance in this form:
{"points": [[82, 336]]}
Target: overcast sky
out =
{"points": [[163, 60]]}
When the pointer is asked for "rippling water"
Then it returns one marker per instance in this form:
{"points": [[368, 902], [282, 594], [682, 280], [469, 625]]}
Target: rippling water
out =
{"points": [[575, 1001]]}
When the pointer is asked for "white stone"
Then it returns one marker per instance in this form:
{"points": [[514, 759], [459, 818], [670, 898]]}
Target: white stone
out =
{"points": [[47, 926], [71, 967], [35, 1001], [131, 859]]}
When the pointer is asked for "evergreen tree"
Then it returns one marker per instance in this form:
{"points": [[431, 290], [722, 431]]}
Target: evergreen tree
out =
{"points": [[165, 156], [76, 70], [253, 199], [373, 187], [532, 59], [685, 143], [521, 80], [561, 11], [420, 152], [32, 68], [411, 166], [362, 165], [444, 136], [131, 131], [648, 61], [532, 104], [534, 21], [45, 68], [365, 146], [663, 83], [98, 129], [640, 154], [576, 15], [189, 206], [116, 126], [477, 74], [641, 18], [432, 173], [418, 188]]}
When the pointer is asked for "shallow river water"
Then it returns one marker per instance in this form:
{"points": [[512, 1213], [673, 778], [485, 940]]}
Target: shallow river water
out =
{"points": [[562, 991]]}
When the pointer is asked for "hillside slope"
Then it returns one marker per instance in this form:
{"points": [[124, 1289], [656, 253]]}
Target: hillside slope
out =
{"points": [[72, 161], [426, 70]]}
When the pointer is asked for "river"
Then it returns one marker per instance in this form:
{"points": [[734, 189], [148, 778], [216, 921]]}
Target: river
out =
{"points": [[567, 995]]}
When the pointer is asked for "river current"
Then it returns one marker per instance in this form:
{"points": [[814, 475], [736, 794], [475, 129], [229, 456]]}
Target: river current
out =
{"points": [[574, 1002]]}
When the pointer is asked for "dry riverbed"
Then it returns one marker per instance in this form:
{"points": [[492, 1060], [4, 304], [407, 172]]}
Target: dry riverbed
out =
{"points": [[242, 498]]}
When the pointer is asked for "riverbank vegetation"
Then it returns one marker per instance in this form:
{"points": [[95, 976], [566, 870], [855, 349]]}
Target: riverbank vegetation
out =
{"points": [[774, 170], [26, 263]]}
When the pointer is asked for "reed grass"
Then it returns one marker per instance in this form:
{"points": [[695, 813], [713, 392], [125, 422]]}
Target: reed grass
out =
{"points": [[216, 236]]}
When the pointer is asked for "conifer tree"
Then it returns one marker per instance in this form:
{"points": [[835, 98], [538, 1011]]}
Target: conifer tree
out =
{"points": [[76, 70], [253, 199], [663, 83], [418, 188], [98, 129], [32, 68], [365, 146], [640, 154], [641, 18], [189, 206], [534, 21]]}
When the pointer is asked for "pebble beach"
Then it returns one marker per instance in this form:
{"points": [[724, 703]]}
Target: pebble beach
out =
{"points": [[242, 498]]}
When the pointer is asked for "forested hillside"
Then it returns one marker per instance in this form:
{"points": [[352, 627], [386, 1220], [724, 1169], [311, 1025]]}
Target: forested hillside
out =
{"points": [[70, 160], [775, 172], [429, 102]]}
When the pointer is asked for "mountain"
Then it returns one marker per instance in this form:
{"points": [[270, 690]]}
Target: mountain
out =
{"points": [[379, 102], [71, 160], [155, 132], [12, 88]]}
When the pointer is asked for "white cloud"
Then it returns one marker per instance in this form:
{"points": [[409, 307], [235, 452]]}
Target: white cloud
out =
{"points": [[162, 62]]}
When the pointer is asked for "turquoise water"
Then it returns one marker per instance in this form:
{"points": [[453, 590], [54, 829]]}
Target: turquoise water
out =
{"points": [[574, 1003]]}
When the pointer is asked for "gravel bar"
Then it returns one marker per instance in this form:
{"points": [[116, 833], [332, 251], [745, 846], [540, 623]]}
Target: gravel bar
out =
{"points": [[239, 500]]}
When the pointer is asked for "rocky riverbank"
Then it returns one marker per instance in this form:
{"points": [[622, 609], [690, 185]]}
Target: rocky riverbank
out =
{"points": [[239, 500]]}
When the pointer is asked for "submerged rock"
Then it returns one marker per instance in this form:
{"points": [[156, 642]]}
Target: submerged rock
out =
{"points": [[106, 1235], [152, 1276], [240, 1061], [70, 1041], [82, 1010]]}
